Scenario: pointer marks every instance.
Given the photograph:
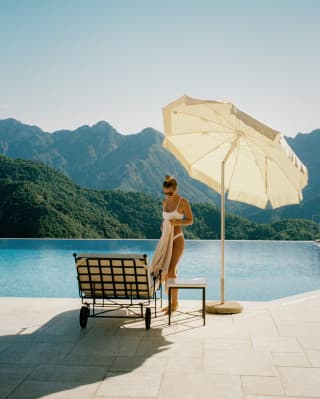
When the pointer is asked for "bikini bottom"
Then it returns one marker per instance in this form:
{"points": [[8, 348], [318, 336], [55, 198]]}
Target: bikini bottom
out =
{"points": [[177, 235]]}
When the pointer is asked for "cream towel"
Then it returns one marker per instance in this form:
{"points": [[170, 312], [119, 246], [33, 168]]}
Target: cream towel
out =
{"points": [[162, 255]]}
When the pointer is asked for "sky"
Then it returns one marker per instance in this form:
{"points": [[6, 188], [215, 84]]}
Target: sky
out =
{"points": [[68, 63]]}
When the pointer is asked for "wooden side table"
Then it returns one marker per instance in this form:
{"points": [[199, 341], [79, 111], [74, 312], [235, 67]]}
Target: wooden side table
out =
{"points": [[188, 283]]}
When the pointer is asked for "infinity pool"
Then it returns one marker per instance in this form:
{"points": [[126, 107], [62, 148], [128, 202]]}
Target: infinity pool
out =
{"points": [[255, 270]]}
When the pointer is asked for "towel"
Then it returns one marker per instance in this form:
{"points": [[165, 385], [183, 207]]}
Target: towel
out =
{"points": [[162, 255]]}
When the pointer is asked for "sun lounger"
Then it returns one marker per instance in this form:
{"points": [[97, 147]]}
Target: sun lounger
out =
{"points": [[116, 285]]}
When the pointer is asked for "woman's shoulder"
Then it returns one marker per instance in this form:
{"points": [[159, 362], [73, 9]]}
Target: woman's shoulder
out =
{"points": [[183, 201]]}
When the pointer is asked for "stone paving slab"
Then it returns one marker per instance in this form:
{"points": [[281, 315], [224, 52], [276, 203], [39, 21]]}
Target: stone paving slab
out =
{"points": [[301, 381], [269, 351], [278, 397], [290, 359], [258, 385], [199, 385]]}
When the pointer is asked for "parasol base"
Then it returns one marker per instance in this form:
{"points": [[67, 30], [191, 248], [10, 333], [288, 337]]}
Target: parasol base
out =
{"points": [[223, 308]]}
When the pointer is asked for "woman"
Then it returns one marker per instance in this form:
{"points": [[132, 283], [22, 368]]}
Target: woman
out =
{"points": [[178, 211]]}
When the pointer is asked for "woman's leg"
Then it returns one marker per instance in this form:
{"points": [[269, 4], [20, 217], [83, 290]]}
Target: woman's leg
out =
{"points": [[177, 251]]}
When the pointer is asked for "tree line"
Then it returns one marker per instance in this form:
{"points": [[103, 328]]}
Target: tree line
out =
{"points": [[37, 201]]}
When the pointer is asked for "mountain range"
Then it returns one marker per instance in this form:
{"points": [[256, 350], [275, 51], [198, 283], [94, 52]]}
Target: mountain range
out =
{"points": [[99, 157]]}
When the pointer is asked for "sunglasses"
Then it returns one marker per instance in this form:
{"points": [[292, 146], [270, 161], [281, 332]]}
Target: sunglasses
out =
{"points": [[169, 193]]}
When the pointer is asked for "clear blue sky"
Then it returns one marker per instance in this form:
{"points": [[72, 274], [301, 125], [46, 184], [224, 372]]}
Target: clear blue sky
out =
{"points": [[66, 63]]}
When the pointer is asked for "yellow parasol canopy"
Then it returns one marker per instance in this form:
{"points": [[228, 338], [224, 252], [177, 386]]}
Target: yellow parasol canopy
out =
{"points": [[261, 166]]}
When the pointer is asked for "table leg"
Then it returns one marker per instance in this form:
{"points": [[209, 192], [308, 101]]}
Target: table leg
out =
{"points": [[204, 306], [169, 305]]}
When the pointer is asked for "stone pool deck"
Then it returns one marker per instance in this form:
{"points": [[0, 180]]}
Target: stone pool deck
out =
{"points": [[270, 351]]}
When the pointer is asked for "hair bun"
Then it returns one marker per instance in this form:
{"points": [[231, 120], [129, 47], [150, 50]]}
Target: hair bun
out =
{"points": [[170, 181]]}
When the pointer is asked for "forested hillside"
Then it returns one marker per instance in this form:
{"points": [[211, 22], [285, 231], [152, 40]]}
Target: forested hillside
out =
{"points": [[37, 201]]}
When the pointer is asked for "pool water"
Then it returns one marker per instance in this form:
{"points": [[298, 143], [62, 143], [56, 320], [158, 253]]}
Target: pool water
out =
{"points": [[254, 270]]}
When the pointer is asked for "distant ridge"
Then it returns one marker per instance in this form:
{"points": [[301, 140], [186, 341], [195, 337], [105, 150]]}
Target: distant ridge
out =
{"points": [[100, 157]]}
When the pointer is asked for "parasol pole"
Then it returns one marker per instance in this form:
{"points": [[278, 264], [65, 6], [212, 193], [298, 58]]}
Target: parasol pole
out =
{"points": [[222, 306], [222, 212], [222, 232]]}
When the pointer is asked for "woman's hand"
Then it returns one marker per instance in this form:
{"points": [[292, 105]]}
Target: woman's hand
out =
{"points": [[173, 222]]}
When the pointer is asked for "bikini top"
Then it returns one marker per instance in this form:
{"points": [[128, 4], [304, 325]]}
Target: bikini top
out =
{"points": [[173, 214]]}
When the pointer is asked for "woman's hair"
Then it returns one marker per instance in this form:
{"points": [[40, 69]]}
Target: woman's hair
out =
{"points": [[170, 181]]}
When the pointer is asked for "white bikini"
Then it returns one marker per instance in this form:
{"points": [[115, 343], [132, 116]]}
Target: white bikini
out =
{"points": [[174, 215]]}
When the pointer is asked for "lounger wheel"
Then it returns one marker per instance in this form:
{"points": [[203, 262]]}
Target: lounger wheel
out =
{"points": [[84, 314], [148, 318]]}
